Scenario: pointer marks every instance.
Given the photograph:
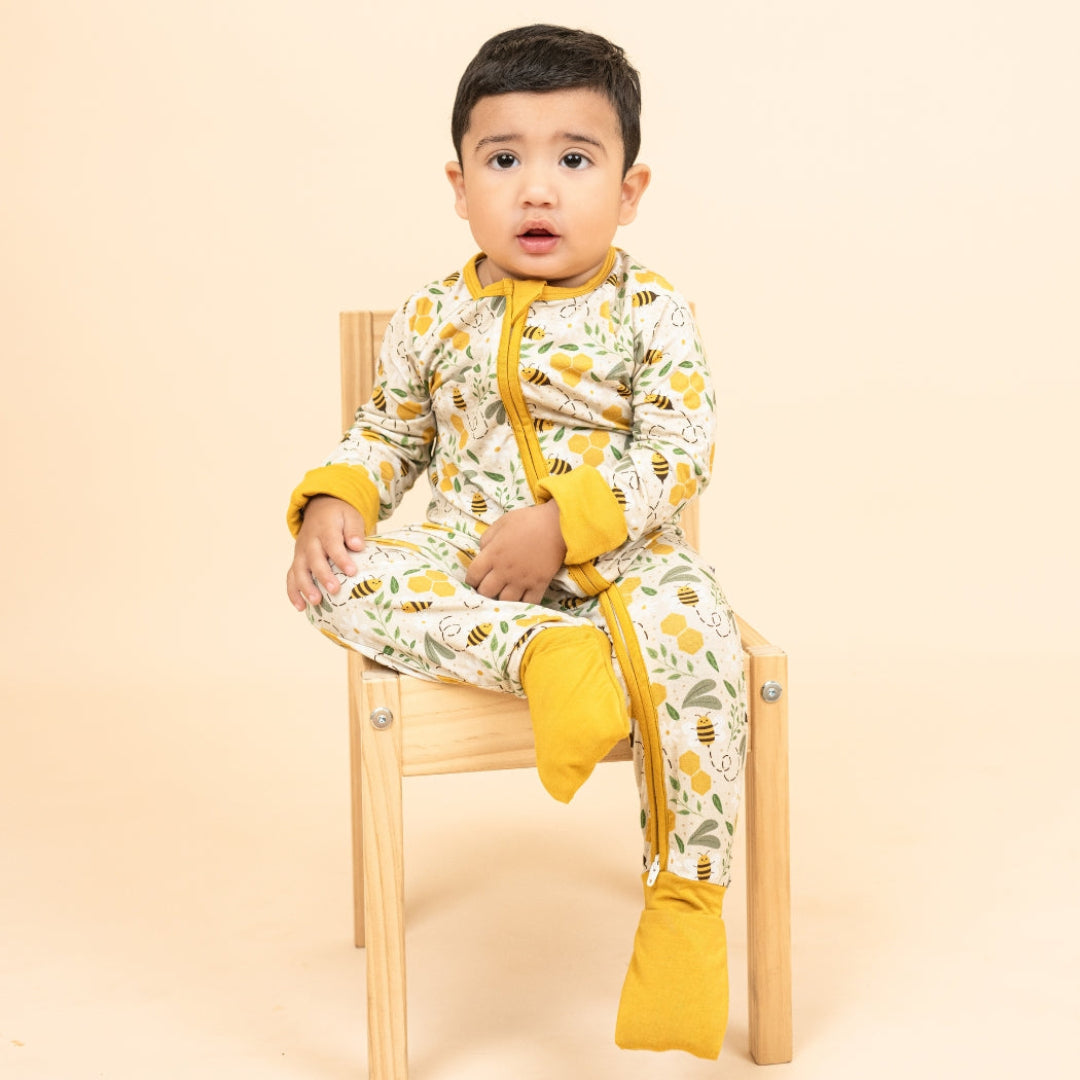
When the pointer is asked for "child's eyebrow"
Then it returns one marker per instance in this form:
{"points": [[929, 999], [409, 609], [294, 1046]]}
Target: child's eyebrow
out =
{"points": [[562, 136]]}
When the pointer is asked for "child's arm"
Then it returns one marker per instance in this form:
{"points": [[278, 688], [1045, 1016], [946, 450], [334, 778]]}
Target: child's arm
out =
{"points": [[330, 529], [389, 443], [631, 494]]}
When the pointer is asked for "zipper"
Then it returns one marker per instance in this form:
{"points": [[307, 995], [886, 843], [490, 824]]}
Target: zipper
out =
{"points": [[520, 295]]}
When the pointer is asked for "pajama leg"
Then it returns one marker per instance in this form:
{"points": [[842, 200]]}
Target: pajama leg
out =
{"points": [[690, 644], [676, 991], [408, 607]]}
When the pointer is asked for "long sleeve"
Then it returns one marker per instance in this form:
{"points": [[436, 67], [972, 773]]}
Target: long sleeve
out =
{"points": [[390, 441], [633, 491]]}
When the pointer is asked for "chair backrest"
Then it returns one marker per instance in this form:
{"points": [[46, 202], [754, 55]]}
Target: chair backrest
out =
{"points": [[361, 336]]}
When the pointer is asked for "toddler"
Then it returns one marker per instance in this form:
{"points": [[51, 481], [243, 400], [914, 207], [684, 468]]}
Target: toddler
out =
{"points": [[556, 394]]}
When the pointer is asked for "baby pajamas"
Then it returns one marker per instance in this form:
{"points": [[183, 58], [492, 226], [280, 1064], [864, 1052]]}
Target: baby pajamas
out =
{"points": [[599, 397]]}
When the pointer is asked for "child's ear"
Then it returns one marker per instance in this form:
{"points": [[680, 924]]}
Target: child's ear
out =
{"points": [[634, 184], [456, 176]]}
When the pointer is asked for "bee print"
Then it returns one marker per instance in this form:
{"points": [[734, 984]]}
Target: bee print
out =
{"points": [[654, 356], [557, 466], [660, 466], [478, 633], [412, 606], [378, 399], [623, 390], [620, 496], [612, 278], [658, 400], [536, 377], [452, 279], [704, 867], [568, 603], [479, 505], [706, 733], [687, 595], [533, 333], [640, 299], [459, 398], [543, 425], [366, 587]]}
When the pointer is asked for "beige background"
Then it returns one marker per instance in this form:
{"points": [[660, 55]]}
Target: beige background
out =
{"points": [[876, 209]]}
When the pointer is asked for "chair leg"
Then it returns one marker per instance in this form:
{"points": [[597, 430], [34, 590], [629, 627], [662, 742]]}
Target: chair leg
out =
{"points": [[384, 879], [768, 892], [357, 711]]}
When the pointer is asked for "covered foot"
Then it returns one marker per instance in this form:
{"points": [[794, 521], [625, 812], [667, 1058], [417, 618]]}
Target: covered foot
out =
{"points": [[675, 996], [577, 706]]}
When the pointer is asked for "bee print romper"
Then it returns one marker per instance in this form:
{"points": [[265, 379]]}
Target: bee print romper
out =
{"points": [[599, 397]]}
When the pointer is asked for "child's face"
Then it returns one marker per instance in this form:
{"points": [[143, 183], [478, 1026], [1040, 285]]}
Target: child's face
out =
{"points": [[541, 184]]}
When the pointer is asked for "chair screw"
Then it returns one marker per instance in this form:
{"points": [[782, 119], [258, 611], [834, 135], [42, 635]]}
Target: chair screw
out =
{"points": [[381, 718], [771, 691]]}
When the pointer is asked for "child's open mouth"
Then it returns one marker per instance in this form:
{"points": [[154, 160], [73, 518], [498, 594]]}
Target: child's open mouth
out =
{"points": [[538, 241]]}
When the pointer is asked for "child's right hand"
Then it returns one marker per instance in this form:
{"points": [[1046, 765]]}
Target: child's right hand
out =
{"points": [[330, 529]]}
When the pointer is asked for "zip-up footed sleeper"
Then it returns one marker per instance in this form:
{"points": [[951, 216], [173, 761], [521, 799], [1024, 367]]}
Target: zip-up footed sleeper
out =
{"points": [[598, 397]]}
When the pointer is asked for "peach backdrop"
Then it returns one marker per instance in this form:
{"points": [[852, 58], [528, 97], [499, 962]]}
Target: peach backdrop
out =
{"points": [[877, 211]]}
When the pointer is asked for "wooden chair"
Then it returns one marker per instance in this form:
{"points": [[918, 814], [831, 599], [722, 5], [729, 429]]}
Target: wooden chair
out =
{"points": [[403, 726]]}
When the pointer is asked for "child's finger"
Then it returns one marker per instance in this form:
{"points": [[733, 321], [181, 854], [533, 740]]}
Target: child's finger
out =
{"points": [[296, 598], [339, 554], [318, 568]]}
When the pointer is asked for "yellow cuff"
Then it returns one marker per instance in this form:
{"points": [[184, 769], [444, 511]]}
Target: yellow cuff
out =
{"points": [[350, 483], [590, 517]]}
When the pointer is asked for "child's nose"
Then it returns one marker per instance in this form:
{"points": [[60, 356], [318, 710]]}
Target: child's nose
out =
{"points": [[537, 188]]}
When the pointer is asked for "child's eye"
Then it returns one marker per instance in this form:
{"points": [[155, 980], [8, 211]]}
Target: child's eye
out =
{"points": [[505, 160], [574, 160]]}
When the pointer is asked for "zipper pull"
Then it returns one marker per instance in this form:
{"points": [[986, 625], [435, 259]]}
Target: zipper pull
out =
{"points": [[654, 872]]}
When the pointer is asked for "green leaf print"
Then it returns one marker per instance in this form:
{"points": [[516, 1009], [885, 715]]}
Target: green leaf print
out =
{"points": [[712, 661], [681, 845], [672, 712], [434, 650], [717, 803], [674, 781], [394, 585], [470, 454], [678, 573], [700, 697], [647, 591], [730, 829], [569, 347], [544, 348], [730, 689], [652, 652], [643, 819], [702, 834], [497, 477], [504, 627]]}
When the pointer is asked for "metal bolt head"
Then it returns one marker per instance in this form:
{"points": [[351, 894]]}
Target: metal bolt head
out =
{"points": [[381, 718], [771, 691]]}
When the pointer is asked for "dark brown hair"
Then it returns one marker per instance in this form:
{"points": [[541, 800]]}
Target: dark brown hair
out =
{"points": [[541, 58]]}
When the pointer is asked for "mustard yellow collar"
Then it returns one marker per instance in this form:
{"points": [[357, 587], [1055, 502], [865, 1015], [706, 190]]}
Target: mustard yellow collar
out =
{"points": [[548, 292]]}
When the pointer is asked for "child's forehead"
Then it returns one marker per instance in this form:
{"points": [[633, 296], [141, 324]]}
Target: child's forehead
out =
{"points": [[548, 113]]}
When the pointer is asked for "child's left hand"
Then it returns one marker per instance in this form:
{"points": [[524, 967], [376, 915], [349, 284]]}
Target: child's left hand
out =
{"points": [[519, 555]]}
